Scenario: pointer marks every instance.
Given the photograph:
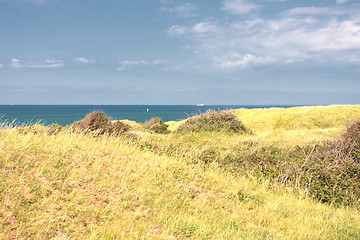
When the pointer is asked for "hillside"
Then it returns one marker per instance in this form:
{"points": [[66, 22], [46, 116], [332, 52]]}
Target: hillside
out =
{"points": [[61, 185]]}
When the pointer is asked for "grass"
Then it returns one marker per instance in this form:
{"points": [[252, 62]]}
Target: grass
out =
{"points": [[59, 185], [290, 126], [298, 125], [318, 117]]}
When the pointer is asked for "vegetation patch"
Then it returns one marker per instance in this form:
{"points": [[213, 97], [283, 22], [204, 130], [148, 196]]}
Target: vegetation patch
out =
{"points": [[57, 183], [98, 123], [351, 141], [329, 171], [157, 125], [296, 118], [222, 121]]}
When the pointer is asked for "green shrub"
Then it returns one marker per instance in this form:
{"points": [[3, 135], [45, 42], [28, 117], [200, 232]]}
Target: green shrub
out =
{"points": [[157, 125], [222, 121]]}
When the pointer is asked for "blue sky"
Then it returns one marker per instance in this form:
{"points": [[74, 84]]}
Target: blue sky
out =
{"points": [[180, 52]]}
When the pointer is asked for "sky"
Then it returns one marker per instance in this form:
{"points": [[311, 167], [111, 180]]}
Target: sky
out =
{"points": [[165, 52]]}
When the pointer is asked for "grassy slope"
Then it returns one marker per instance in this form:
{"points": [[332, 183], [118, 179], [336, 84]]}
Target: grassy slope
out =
{"points": [[71, 185], [299, 125], [292, 126], [283, 127]]}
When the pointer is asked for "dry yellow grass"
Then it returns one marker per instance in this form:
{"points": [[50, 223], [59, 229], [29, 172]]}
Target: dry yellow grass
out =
{"points": [[71, 185], [292, 126], [296, 118]]}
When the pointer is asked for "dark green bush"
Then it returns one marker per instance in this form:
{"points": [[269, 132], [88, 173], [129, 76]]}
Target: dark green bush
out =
{"points": [[157, 125], [222, 121]]}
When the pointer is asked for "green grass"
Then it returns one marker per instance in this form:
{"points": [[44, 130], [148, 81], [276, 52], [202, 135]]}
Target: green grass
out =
{"points": [[71, 185]]}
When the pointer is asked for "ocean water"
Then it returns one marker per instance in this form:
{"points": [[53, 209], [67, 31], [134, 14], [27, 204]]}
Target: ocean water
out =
{"points": [[67, 114]]}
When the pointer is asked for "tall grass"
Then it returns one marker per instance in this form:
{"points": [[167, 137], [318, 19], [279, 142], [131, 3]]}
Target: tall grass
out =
{"points": [[71, 185], [298, 118], [56, 183]]}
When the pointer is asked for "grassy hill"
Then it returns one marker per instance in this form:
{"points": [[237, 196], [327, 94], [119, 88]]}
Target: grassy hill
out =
{"points": [[65, 184], [293, 126]]}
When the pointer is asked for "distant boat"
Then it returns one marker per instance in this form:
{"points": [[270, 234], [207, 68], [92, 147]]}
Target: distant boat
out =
{"points": [[200, 104], [147, 110]]}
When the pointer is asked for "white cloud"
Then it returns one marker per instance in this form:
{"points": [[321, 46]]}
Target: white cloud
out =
{"points": [[324, 11], [84, 60], [39, 1], [121, 68], [182, 10], [177, 30], [15, 63], [157, 62], [1, 65], [204, 27], [309, 11], [35, 2], [126, 64], [334, 35], [134, 63], [47, 64], [322, 34], [239, 7], [234, 60], [341, 1]]}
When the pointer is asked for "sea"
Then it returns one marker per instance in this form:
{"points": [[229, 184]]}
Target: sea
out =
{"points": [[19, 115]]}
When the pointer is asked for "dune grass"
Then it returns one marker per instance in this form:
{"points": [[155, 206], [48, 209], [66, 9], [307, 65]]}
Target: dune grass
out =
{"points": [[290, 126], [70, 185], [316, 117], [283, 127]]}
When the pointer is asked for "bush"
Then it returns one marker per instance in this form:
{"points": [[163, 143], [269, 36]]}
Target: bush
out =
{"points": [[95, 121], [323, 171], [334, 175], [350, 141], [157, 125], [117, 128], [98, 123], [222, 121], [329, 172]]}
